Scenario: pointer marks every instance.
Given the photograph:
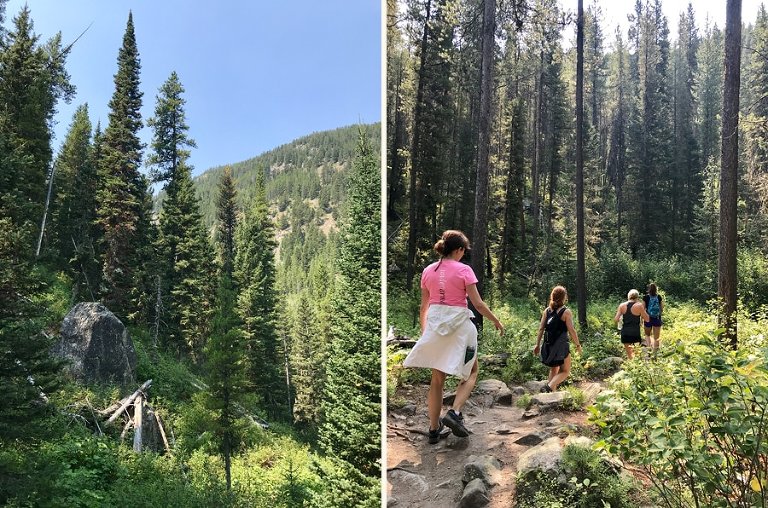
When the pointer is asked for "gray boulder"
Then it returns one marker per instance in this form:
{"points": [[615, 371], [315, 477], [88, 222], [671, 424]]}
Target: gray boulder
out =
{"points": [[97, 346], [485, 467], [475, 495], [544, 457]]}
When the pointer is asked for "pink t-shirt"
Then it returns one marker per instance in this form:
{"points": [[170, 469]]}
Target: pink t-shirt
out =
{"points": [[447, 283]]}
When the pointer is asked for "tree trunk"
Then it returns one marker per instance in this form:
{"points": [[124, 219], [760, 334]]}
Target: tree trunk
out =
{"points": [[480, 233], [413, 216], [581, 284], [726, 263]]}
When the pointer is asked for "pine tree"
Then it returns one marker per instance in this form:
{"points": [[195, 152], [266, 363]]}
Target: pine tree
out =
{"points": [[226, 374], [306, 361], [352, 397], [73, 208], [257, 301], [122, 193], [186, 266], [756, 136], [226, 206], [686, 172], [170, 142], [32, 80]]}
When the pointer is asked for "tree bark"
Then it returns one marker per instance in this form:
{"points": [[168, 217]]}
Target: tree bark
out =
{"points": [[581, 284], [729, 163], [480, 233], [413, 216], [138, 417]]}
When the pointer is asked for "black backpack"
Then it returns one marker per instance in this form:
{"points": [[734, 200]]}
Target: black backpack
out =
{"points": [[554, 325]]}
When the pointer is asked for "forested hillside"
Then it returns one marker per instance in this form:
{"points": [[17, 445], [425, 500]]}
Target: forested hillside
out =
{"points": [[251, 356]]}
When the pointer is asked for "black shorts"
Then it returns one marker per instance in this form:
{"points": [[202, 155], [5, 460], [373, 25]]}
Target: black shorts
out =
{"points": [[629, 339]]}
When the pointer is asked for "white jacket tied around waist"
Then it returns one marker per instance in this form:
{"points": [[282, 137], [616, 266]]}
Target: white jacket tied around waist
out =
{"points": [[449, 343]]}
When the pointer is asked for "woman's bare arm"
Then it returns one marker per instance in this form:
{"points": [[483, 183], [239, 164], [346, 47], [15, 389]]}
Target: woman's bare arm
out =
{"points": [[482, 308]]}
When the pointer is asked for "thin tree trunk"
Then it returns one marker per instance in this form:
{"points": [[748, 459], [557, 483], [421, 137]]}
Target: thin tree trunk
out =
{"points": [[480, 234], [581, 284], [729, 164], [413, 216]]}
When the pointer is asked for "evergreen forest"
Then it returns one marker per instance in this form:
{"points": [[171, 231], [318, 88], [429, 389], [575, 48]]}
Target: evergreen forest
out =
{"points": [[251, 295], [602, 159]]}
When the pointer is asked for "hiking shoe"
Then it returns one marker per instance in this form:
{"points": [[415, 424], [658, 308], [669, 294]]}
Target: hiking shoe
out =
{"points": [[545, 389], [440, 433], [455, 422]]}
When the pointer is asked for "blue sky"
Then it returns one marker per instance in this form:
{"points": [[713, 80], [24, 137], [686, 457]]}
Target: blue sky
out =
{"points": [[257, 74]]}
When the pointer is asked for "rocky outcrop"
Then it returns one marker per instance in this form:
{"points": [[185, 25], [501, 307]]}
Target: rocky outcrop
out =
{"points": [[96, 345]]}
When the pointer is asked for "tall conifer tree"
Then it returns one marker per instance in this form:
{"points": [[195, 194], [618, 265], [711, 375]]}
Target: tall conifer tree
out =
{"points": [[123, 187], [186, 269], [255, 280], [226, 212], [74, 206], [352, 398]]}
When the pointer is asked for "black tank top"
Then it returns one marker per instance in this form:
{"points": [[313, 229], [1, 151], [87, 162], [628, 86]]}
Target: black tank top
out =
{"points": [[631, 327]]}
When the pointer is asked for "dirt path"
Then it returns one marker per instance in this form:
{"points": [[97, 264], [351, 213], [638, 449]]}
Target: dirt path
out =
{"points": [[423, 475]]}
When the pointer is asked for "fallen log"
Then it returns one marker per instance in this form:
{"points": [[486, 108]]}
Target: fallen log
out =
{"points": [[162, 433], [128, 402], [401, 342]]}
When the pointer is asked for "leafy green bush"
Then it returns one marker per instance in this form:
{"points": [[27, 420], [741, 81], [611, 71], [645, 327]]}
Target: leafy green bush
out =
{"points": [[695, 421], [586, 480]]}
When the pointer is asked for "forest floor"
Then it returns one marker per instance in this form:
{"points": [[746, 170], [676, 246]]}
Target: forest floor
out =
{"points": [[426, 475]]}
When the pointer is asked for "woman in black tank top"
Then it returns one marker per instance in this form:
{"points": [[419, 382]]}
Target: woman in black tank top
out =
{"points": [[631, 311]]}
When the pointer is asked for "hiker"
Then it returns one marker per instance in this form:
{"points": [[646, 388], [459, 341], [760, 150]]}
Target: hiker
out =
{"points": [[654, 306], [448, 342], [557, 321], [630, 312]]}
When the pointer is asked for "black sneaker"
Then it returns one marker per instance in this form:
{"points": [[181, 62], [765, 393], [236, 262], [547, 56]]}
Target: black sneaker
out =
{"points": [[455, 422], [545, 389], [438, 434]]}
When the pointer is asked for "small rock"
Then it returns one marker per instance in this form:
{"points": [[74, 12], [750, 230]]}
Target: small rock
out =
{"points": [[443, 485], [490, 386], [448, 398], [503, 429], [485, 467], [391, 501], [475, 494], [534, 386], [518, 391], [409, 409], [411, 481], [397, 416], [532, 439], [530, 413], [549, 401], [544, 457], [554, 422]]}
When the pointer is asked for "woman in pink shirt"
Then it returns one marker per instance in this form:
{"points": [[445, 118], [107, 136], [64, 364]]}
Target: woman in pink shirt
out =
{"points": [[448, 342]]}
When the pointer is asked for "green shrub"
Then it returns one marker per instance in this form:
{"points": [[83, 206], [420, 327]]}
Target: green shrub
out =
{"points": [[586, 480], [524, 400], [695, 420]]}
